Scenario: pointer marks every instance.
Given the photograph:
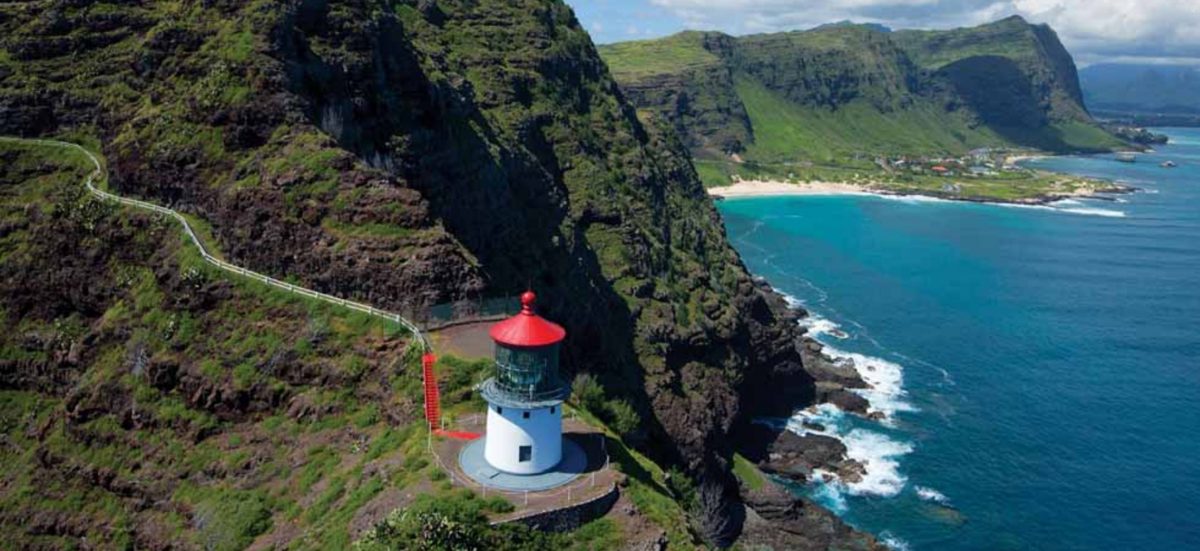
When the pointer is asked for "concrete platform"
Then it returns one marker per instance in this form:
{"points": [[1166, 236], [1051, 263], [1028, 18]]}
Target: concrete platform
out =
{"points": [[595, 480], [574, 463]]}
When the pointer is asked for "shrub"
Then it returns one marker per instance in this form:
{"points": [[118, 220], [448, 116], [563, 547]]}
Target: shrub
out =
{"points": [[621, 416], [588, 393]]}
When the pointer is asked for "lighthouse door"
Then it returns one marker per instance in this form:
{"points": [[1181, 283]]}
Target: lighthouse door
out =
{"points": [[524, 453]]}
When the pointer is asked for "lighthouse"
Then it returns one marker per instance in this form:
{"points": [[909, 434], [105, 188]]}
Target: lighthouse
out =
{"points": [[525, 394]]}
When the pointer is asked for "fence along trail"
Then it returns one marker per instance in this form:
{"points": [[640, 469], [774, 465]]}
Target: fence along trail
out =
{"points": [[90, 183], [427, 359]]}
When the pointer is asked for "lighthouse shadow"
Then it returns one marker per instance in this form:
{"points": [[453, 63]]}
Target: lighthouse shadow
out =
{"points": [[583, 453]]}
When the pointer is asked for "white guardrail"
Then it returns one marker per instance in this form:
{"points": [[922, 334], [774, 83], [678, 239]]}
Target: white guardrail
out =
{"points": [[208, 257]]}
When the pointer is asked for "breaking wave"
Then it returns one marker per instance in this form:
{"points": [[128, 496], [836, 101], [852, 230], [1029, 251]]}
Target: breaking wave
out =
{"points": [[886, 379], [893, 542], [1070, 206], [878, 453], [1057, 206], [929, 494]]}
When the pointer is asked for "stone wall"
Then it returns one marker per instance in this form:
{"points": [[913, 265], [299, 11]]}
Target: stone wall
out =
{"points": [[570, 517]]}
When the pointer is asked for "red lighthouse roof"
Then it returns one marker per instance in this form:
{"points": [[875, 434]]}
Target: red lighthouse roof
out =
{"points": [[527, 328]]}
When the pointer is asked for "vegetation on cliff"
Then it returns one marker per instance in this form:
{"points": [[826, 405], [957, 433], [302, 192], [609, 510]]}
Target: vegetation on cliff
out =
{"points": [[149, 400], [394, 152]]}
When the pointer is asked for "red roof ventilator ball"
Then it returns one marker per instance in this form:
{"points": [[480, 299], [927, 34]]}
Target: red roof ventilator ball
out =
{"points": [[527, 329]]}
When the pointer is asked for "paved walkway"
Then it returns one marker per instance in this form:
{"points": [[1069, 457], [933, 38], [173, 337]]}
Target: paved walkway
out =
{"points": [[208, 257], [469, 340]]}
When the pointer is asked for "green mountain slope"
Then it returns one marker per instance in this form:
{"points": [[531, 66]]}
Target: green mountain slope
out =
{"points": [[401, 153], [149, 400], [844, 91]]}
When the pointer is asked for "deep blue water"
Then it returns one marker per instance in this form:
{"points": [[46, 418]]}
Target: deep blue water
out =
{"points": [[1050, 358]]}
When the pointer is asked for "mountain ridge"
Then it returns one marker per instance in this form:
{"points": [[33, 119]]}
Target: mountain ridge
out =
{"points": [[950, 75]]}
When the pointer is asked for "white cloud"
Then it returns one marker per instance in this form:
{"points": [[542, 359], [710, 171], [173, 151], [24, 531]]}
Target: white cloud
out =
{"points": [[1091, 29]]}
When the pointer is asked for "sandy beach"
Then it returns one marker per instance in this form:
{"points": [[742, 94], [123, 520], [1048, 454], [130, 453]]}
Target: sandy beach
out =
{"points": [[758, 188]]}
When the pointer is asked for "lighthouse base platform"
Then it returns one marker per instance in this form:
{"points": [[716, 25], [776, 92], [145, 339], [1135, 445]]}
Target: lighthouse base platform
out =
{"points": [[574, 463]]}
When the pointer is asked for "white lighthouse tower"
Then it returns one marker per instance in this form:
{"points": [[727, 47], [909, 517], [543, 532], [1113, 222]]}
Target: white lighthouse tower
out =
{"points": [[525, 395]]}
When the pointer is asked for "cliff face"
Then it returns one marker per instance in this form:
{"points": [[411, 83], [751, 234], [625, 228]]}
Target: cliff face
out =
{"points": [[696, 96], [1007, 83], [411, 152], [1009, 72], [830, 67]]}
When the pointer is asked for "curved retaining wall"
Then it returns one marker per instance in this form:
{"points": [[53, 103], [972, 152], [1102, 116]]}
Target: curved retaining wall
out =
{"points": [[571, 517]]}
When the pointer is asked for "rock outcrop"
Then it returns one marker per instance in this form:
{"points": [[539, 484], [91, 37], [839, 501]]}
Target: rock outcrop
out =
{"points": [[775, 519]]}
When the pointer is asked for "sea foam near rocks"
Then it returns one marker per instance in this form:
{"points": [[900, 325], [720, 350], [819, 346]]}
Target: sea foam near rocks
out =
{"points": [[893, 542], [878, 453], [886, 379]]}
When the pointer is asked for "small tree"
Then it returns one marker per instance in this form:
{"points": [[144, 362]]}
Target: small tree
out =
{"points": [[588, 393], [622, 417]]}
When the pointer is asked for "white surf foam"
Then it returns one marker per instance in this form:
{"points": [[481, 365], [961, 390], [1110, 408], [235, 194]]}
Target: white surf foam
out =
{"points": [[913, 199], [817, 325], [893, 542], [1057, 207], [829, 494], [878, 453], [1096, 212], [886, 379], [814, 323], [929, 494], [826, 415], [880, 456]]}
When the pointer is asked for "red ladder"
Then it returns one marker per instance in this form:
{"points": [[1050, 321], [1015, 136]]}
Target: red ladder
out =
{"points": [[433, 407], [433, 413]]}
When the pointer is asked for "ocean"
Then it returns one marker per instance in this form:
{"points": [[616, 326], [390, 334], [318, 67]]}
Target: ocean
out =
{"points": [[1040, 365]]}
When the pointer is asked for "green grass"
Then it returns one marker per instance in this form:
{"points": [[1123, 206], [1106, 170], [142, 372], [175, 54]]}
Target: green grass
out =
{"points": [[747, 472], [786, 131], [646, 58], [227, 518], [934, 49]]}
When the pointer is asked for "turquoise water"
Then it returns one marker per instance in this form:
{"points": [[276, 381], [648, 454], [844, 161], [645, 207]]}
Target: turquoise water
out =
{"points": [[1041, 366]]}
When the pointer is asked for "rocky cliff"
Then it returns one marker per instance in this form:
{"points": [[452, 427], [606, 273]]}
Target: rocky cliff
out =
{"points": [[403, 153], [1003, 84]]}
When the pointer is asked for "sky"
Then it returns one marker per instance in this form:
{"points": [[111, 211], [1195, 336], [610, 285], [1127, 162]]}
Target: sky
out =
{"points": [[1149, 31]]}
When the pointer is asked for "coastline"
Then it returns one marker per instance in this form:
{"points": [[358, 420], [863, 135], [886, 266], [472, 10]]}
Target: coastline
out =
{"points": [[772, 188], [767, 188]]}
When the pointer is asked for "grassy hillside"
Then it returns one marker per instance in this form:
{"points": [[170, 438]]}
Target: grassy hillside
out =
{"points": [[149, 400], [785, 131], [1010, 38], [632, 61]]}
